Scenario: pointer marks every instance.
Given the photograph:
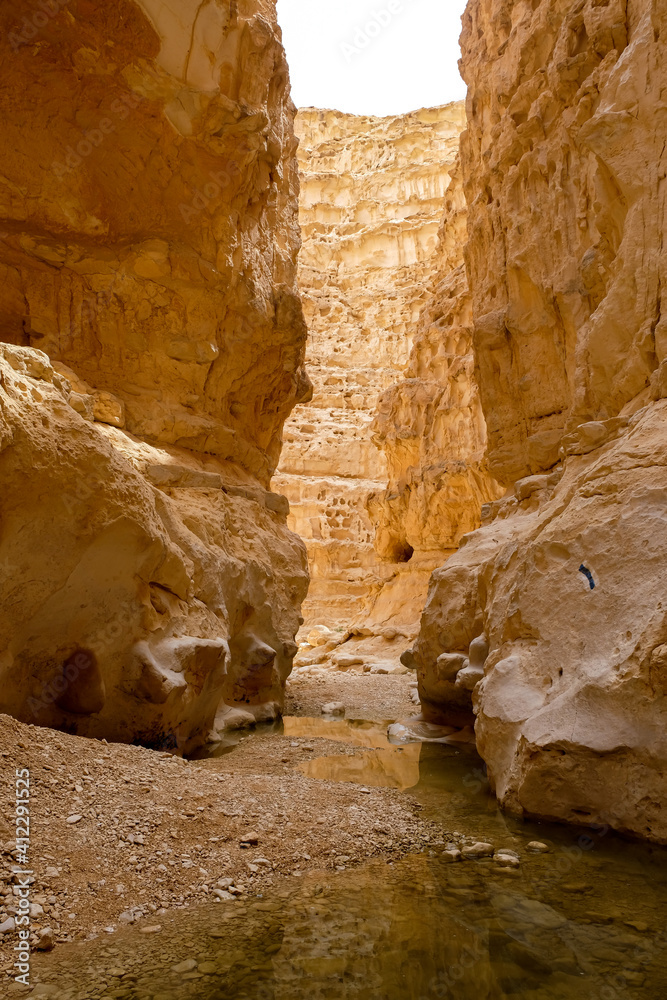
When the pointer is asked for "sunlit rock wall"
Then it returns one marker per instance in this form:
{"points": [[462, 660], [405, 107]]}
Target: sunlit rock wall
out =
{"points": [[562, 588], [372, 197], [431, 428], [148, 242]]}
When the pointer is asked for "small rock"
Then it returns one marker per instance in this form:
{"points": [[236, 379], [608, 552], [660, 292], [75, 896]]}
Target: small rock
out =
{"points": [[334, 708], [537, 847], [8, 925], [208, 968], [74, 819], [46, 940], [477, 851], [453, 854], [189, 965], [319, 635], [250, 838], [151, 929], [222, 894], [506, 859]]}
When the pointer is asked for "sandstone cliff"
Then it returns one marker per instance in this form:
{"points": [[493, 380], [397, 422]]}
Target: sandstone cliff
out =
{"points": [[552, 613], [154, 346], [372, 196], [430, 424]]}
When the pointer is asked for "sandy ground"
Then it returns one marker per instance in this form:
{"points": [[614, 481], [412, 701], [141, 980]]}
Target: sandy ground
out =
{"points": [[121, 834], [376, 697]]}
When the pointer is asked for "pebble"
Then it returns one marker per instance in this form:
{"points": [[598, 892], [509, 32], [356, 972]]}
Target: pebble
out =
{"points": [[250, 838], [222, 894], [189, 965], [506, 859], [637, 925], [477, 851], [537, 847], [46, 940], [74, 819], [453, 854], [7, 926], [151, 929]]}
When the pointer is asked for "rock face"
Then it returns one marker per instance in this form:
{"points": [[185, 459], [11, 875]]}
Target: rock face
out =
{"points": [[154, 344], [372, 196], [560, 592], [430, 424]]}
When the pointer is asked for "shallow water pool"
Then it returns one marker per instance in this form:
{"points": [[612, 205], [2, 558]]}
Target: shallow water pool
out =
{"points": [[586, 921]]}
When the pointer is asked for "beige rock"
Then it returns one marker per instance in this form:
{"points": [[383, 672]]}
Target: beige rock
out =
{"points": [[430, 425], [563, 333], [562, 160], [153, 346], [372, 198], [150, 217], [131, 612]]}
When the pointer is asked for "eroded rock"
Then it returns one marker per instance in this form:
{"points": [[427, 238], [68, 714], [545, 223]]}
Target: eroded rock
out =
{"points": [[153, 346], [565, 147], [372, 198]]}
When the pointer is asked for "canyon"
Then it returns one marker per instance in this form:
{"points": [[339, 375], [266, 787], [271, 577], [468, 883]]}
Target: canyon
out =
{"points": [[416, 364], [371, 202]]}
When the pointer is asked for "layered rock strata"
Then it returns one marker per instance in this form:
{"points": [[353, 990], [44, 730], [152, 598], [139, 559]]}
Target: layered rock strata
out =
{"points": [[430, 425], [372, 196], [560, 591], [153, 346]]}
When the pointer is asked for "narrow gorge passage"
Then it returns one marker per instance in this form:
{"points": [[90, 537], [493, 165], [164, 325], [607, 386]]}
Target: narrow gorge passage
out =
{"points": [[333, 466]]}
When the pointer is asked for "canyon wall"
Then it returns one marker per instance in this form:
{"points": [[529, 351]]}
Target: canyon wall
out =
{"points": [[430, 424], [372, 197], [553, 612], [152, 345]]}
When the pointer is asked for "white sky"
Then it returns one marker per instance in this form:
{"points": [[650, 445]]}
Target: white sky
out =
{"points": [[340, 56]]}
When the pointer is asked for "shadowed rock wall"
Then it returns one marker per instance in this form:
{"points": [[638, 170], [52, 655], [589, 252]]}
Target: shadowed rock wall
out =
{"points": [[155, 345]]}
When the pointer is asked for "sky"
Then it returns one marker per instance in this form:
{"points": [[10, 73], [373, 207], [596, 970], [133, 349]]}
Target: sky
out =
{"points": [[376, 57]]}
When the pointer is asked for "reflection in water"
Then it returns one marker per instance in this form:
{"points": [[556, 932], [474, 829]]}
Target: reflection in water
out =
{"points": [[380, 768], [419, 929], [583, 922], [383, 765]]}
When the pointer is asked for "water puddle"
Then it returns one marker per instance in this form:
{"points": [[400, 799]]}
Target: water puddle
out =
{"points": [[383, 765], [585, 921], [566, 927]]}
